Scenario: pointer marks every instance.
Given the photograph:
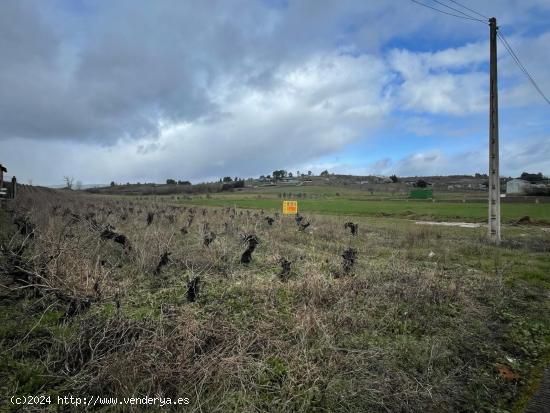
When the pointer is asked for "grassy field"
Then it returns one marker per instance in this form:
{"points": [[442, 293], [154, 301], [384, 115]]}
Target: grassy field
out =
{"points": [[400, 317], [353, 202]]}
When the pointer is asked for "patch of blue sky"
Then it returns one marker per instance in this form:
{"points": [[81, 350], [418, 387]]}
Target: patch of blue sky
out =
{"points": [[425, 41], [276, 4]]}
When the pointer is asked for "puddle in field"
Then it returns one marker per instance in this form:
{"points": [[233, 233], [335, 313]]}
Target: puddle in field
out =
{"points": [[451, 224]]}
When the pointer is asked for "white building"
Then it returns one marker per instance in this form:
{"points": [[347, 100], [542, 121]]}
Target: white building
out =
{"points": [[517, 186]]}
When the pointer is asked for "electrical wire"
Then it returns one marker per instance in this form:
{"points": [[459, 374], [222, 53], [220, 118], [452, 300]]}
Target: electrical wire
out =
{"points": [[521, 66], [450, 14], [457, 10], [467, 8], [467, 16]]}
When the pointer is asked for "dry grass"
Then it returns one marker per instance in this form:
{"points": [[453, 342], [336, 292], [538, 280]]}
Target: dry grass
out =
{"points": [[403, 330]]}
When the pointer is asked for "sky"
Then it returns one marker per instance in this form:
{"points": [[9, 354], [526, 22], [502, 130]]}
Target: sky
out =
{"points": [[142, 91]]}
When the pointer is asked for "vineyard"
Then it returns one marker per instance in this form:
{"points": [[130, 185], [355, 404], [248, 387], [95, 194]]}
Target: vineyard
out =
{"points": [[249, 310]]}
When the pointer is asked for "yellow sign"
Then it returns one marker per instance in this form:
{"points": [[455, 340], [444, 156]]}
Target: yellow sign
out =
{"points": [[290, 207]]}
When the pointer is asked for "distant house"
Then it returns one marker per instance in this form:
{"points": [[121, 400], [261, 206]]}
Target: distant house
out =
{"points": [[7, 189], [517, 186], [2, 170]]}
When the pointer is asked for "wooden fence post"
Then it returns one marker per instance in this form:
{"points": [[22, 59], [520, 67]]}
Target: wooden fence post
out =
{"points": [[13, 187]]}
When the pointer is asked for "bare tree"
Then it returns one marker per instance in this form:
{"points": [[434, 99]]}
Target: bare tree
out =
{"points": [[78, 185], [68, 182]]}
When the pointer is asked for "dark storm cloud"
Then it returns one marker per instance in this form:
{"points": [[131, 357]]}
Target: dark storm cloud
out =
{"points": [[28, 50], [137, 65]]}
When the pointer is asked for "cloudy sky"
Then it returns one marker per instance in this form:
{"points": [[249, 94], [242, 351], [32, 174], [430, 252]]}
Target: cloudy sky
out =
{"points": [[130, 90]]}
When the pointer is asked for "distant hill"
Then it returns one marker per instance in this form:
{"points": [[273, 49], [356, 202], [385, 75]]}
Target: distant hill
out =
{"points": [[84, 186], [369, 183], [168, 189]]}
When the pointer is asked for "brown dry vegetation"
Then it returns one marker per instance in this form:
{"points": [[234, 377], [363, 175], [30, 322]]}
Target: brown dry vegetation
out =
{"points": [[403, 330]]}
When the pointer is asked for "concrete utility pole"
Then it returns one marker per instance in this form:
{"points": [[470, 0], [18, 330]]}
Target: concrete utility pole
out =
{"points": [[494, 176]]}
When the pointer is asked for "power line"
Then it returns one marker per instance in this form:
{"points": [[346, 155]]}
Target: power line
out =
{"points": [[457, 10], [521, 66], [466, 16], [444, 12], [467, 8]]}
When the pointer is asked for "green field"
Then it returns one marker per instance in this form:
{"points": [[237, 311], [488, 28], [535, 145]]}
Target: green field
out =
{"points": [[452, 211]]}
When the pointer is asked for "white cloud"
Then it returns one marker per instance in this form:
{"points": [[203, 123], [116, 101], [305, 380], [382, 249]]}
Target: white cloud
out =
{"points": [[316, 109], [515, 157], [447, 81], [516, 89]]}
